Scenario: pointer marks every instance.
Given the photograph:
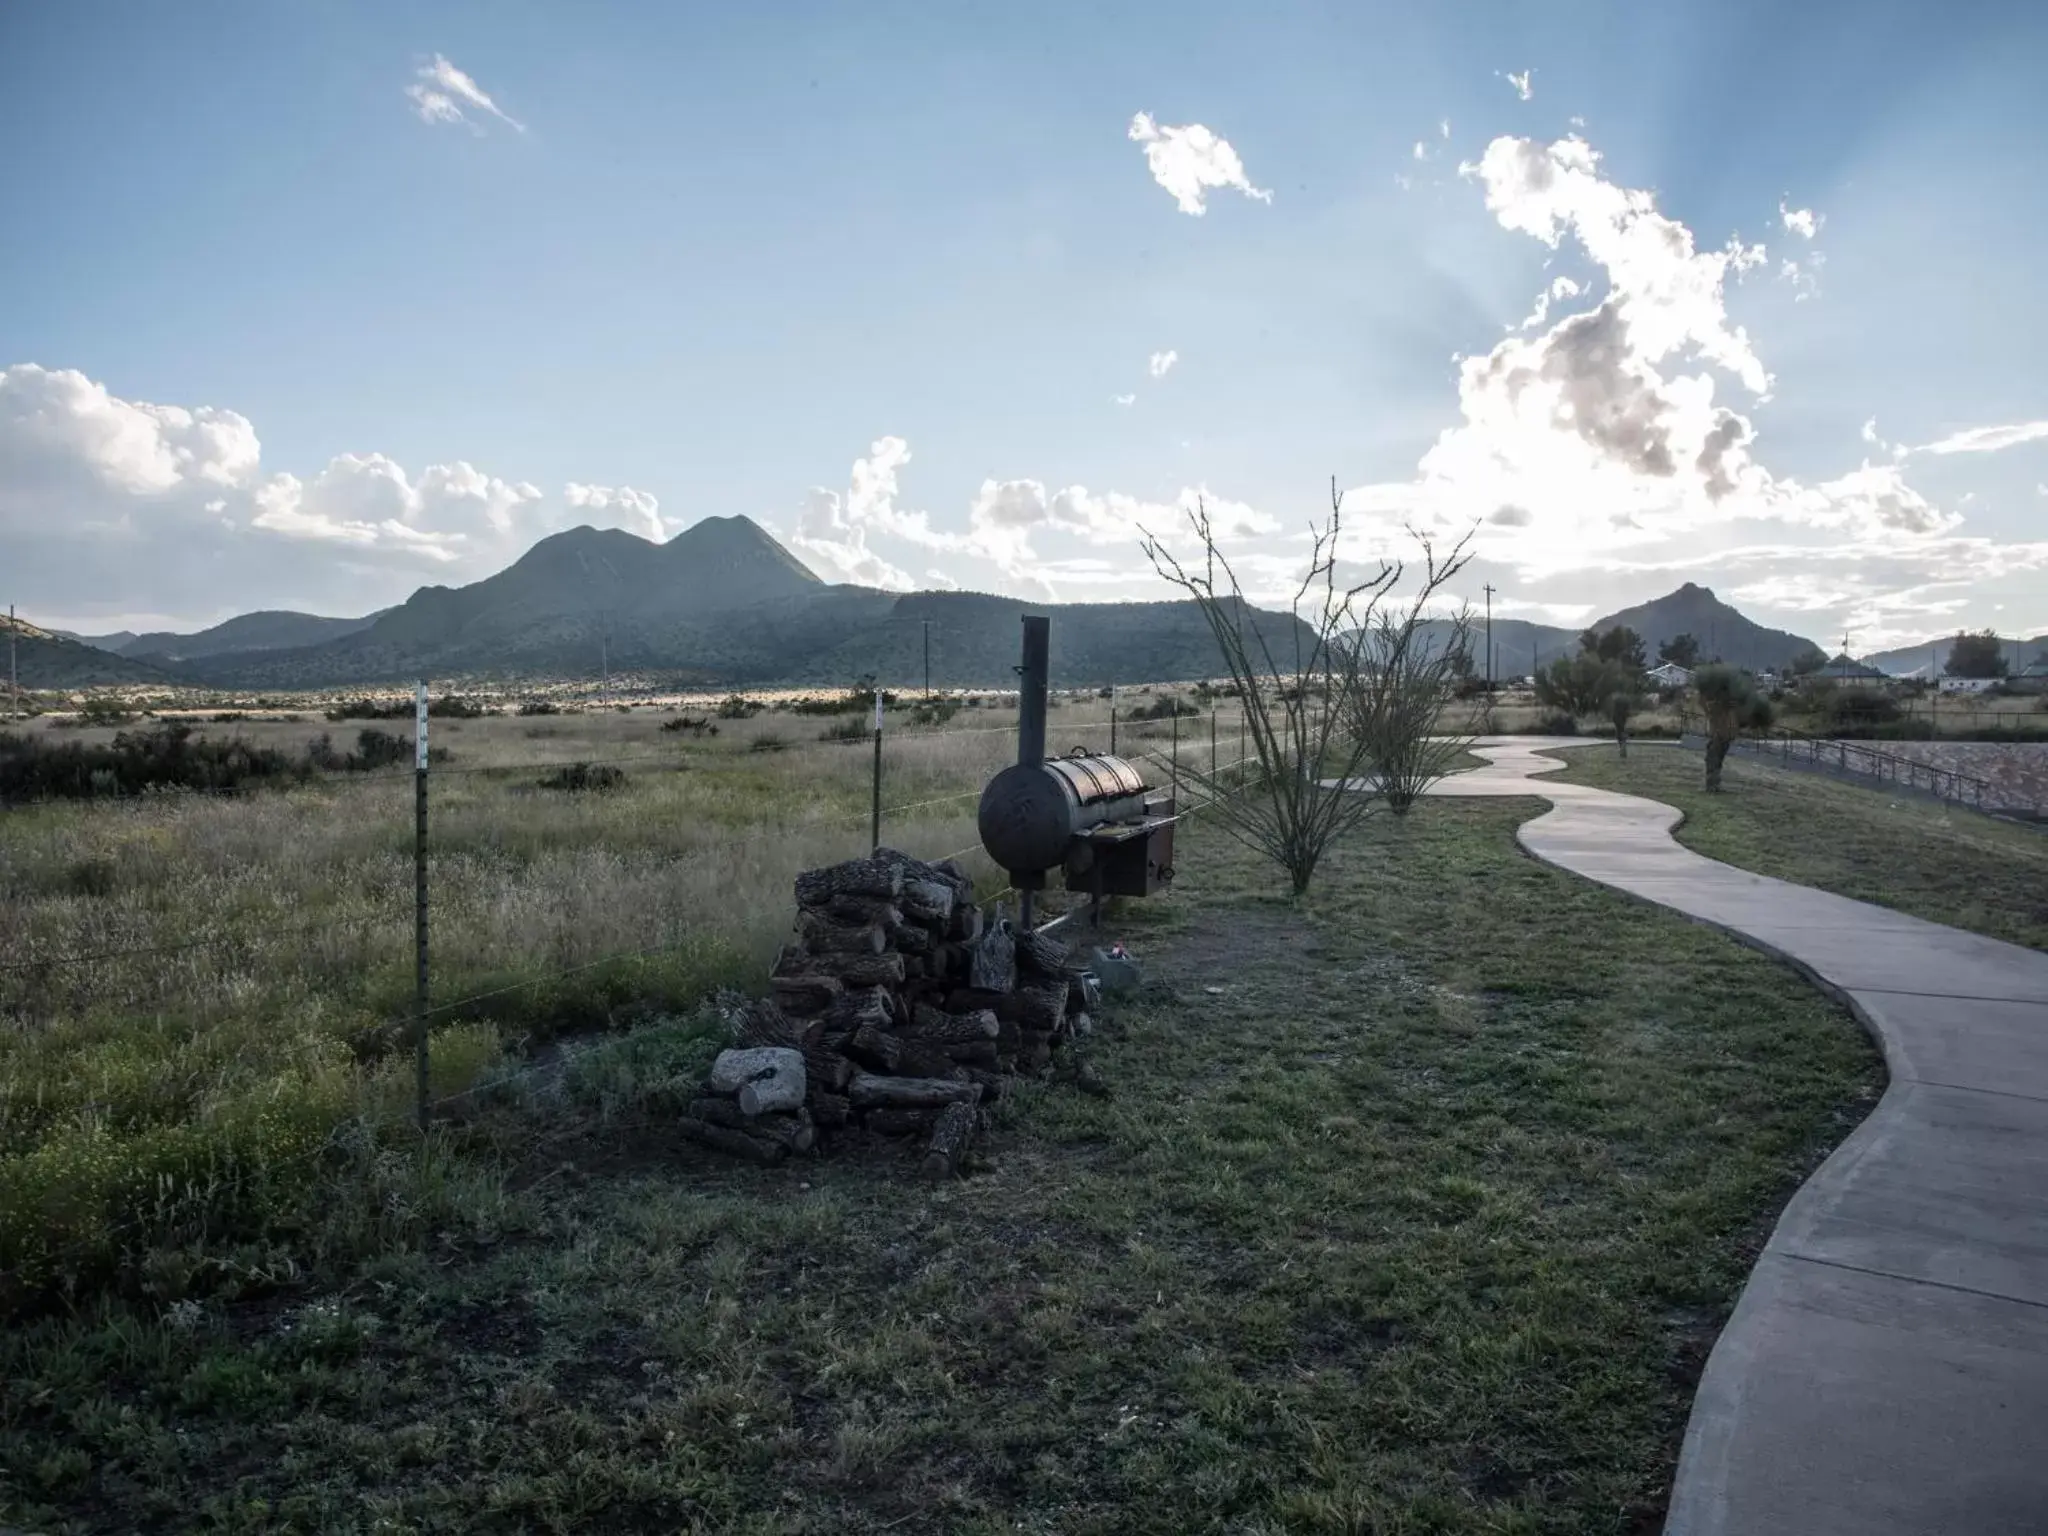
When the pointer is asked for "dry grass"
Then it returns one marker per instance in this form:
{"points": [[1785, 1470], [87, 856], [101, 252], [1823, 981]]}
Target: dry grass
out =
{"points": [[194, 986]]}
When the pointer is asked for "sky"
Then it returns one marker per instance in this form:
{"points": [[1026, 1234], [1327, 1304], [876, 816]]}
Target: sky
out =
{"points": [[310, 305]]}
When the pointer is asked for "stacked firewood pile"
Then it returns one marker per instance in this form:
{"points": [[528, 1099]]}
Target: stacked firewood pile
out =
{"points": [[895, 1011]]}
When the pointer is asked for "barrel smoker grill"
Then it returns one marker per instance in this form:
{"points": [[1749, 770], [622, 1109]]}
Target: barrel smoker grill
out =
{"points": [[1088, 814]]}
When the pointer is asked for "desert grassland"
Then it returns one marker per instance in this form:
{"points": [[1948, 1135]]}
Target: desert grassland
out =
{"points": [[1416, 1208], [251, 984], [1930, 860]]}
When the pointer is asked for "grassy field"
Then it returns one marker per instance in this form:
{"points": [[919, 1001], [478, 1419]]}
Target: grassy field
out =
{"points": [[1946, 865], [198, 988], [1416, 1209]]}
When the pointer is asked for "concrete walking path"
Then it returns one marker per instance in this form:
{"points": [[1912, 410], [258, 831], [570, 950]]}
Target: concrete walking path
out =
{"points": [[1885, 1371]]}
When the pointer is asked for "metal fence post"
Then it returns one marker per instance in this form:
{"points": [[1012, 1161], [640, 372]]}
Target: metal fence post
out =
{"points": [[1175, 702], [1212, 747], [875, 840], [1112, 719], [419, 899]]}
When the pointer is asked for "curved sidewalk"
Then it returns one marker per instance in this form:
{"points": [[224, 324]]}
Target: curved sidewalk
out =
{"points": [[1886, 1369]]}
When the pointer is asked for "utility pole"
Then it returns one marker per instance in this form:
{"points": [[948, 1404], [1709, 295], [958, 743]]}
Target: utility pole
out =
{"points": [[1489, 637], [927, 661], [13, 676]]}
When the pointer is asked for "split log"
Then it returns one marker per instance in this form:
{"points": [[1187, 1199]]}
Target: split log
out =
{"points": [[763, 1022], [828, 1071], [1041, 954], [774, 1095], [885, 970], [1037, 1007], [806, 994], [1009, 1038], [993, 965], [914, 939], [900, 1122], [717, 1112], [863, 1005], [966, 923], [865, 909], [871, 1092], [951, 870], [974, 1000], [919, 1058], [793, 1131], [823, 936], [949, 961], [875, 1048], [929, 901], [945, 872], [856, 877], [735, 1143], [1081, 993], [952, 1134], [929, 1023], [971, 1053], [830, 1108]]}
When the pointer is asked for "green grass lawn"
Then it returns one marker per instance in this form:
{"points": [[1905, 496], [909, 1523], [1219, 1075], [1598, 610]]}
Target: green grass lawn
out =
{"points": [[1416, 1209], [1947, 865]]}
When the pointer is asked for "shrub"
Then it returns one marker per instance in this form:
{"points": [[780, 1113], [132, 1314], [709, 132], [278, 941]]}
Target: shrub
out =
{"points": [[693, 725], [1851, 708], [578, 777], [737, 706], [161, 757], [540, 707], [1164, 708], [936, 712], [1557, 722], [1730, 701], [104, 712], [852, 729], [768, 741]]}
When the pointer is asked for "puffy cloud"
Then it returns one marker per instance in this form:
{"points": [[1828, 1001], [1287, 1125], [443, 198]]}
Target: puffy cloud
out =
{"points": [[1803, 222], [1522, 87], [439, 92], [1191, 161], [116, 505], [1988, 439], [621, 506], [1161, 363], [57, 426]]}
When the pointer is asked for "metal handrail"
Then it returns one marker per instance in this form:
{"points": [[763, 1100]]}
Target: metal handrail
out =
{"points": [[1886, 767]]}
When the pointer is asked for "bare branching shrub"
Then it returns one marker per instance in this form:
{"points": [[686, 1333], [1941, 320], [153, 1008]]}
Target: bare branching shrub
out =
{"points": [[1325, 723], [1404, 682]]}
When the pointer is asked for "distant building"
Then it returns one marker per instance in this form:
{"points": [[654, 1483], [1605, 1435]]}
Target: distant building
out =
{"points": [[1968, 684], [1669, 675], [2034, 679], [1846, 672]]}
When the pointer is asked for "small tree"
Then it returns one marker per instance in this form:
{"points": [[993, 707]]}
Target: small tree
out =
{"points": [[1620, 644], [1341, 697], [1978, 655], [1580, 684], [1680, 651], [1732, 705], [1621, 704]]}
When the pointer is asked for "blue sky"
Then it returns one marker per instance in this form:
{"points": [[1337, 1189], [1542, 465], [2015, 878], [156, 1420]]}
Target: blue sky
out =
{"points": [[282, 334]]}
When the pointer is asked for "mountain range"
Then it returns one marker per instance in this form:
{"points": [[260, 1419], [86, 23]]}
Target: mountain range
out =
{"points": [[723, 604]]}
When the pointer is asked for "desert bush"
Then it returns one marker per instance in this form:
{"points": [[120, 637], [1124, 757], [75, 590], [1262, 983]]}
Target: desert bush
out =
{"points": [[691, 725], [768, 741], [539, 707], [737, 706], [937, 711], [1164, 708], [1344, 721], [852, 729], [578, 777], [1854, 708], [160, 757], [1557, 722]]}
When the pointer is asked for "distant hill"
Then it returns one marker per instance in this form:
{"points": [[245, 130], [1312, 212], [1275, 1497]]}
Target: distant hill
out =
{"points": [[265, 630], [1519, 646], [48, 660], [1724, 633], [2019, 655]]}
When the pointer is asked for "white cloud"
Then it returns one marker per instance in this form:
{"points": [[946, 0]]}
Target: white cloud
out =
{"points": [[1870, 431], [1988, 439], [1443, 127], [1421, 150], [1598, 441], [621, 506], [440, 91], [103, 499], [1520, 82], [1803, 222], [1160, 363], [1190, 161], [1124, 399], [56, 424]]}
